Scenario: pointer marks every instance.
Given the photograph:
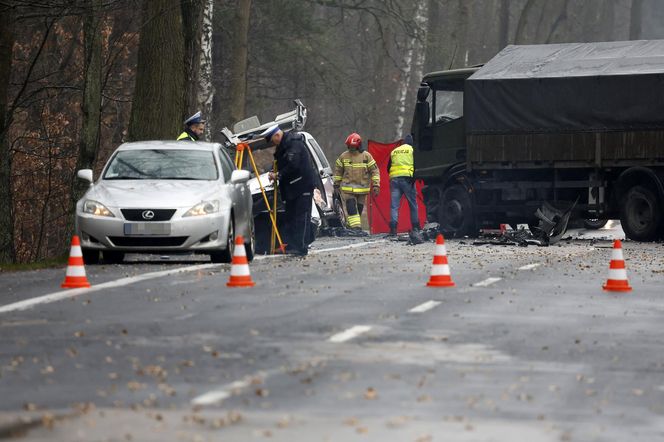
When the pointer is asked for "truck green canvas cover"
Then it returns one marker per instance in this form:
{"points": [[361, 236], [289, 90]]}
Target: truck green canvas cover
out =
{"points": [[576, 87]]}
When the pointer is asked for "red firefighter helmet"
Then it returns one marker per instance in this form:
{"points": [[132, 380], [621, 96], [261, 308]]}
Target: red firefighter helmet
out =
{"points": [[354, 140]]}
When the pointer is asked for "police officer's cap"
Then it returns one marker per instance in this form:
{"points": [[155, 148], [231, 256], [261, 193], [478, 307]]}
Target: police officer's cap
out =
{"points": [[194, 119], [270, 131]]}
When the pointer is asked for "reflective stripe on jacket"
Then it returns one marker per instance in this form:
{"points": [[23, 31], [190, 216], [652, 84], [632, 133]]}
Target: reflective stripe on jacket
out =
{"points": [[356, 171], [401, 161]]}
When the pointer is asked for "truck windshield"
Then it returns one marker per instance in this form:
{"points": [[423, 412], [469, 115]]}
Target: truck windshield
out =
{"points": [[449, 106]]}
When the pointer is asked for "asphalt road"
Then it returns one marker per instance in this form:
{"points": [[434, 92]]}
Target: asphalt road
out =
{"points": [[345, 344]]}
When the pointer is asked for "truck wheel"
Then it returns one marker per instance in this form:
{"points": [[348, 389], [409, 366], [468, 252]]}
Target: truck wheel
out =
{"points": [[641, 214], [594, 223], [455, 213]]}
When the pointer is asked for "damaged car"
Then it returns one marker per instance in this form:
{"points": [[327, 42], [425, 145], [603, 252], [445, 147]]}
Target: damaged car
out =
{"points": [[326, 203]]}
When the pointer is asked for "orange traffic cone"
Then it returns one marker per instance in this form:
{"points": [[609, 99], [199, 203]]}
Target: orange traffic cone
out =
{"points": [[617, 281], [440, 271], [75, 276], [240, 276]]}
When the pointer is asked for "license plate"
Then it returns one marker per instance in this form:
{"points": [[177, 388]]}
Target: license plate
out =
{"points": [[147, 229]]}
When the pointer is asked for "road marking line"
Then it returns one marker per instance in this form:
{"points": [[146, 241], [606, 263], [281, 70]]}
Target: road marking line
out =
{"points": [[217, 396], [72, 293], [65, 294], [349, 334], [530, 266], [351, 246], [425, 307], [487, 282]]}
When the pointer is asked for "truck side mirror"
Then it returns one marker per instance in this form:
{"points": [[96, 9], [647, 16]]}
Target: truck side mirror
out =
{"points": [[423, 92]]}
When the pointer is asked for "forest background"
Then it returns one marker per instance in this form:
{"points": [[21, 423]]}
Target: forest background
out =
{"points": [[79, 77]]}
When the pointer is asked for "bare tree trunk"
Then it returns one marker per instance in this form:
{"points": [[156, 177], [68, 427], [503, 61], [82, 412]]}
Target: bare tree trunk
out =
{"points": [[205, 85], [636, 20], [7, 250], [192, 26], [238, 83], [159, 97], [413, 63], [92, 86]]}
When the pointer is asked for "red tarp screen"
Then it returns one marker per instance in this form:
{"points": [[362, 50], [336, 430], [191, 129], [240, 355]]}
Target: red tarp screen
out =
{"points": [[379, 208]]}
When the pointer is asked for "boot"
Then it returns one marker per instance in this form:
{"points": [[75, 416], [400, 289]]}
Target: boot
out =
{"points": [[393, 229]]}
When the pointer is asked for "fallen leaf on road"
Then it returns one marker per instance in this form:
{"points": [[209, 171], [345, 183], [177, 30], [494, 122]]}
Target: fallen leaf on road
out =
{"points": [[370, 394]]}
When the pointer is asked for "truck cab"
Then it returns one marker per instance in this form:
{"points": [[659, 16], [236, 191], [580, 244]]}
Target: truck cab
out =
{"points": [[438, 126]]}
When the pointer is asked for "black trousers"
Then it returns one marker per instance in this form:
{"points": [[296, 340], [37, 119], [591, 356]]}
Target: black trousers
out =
{"points": [[298, 222]]}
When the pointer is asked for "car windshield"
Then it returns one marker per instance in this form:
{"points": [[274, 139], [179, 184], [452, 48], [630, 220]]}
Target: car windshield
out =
{"points": [[162, 164]]}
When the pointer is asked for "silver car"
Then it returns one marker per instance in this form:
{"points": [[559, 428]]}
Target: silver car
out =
{"points": [[165, 197]]}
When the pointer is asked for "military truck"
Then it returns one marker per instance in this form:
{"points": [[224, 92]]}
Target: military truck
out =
{"points": [[545, 131]]}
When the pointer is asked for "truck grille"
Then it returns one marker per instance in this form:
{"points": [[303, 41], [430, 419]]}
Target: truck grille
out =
{"points": [[137, 241], [137, 214]]}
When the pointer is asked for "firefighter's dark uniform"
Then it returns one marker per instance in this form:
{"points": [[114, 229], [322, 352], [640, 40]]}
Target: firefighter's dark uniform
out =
{"points": [[296, 183], [354, 173]]}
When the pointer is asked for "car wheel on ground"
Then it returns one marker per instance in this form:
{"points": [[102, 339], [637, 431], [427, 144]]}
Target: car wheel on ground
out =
{"points": [[90, 256], [250, 245], [226, 255], [113, 257]]}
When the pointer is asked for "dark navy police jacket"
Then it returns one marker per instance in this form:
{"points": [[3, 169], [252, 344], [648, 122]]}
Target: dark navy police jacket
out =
{"points": [[295, 167]]}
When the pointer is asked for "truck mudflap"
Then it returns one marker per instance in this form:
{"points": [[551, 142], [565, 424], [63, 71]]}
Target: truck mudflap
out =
{"points": [[552, 223]]}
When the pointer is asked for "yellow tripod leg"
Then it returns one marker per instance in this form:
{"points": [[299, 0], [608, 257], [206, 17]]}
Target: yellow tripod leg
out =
{"points": [[273, 216]]}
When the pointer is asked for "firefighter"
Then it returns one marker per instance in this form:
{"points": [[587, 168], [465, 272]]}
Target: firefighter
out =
{"points": [[194, 128], [355, 171], [296, 184], [401, 167]]}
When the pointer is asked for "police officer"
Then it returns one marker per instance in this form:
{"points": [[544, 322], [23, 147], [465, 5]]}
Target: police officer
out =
{"points": [[296, 183], [194, 128], [401, 168]]}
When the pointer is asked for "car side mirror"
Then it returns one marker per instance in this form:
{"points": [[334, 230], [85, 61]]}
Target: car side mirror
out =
{"points": [[240, 176], [85, 174]]}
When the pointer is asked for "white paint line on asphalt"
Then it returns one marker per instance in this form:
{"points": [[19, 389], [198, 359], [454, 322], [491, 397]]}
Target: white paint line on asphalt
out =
{"points": [[351, 246], [72, 293], [424, 307], [215, 397], [487, 282], [349, 334], [66, 294], [530, 266]]}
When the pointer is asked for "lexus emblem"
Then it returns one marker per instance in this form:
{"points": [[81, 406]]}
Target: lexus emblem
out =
{"points": [[147, 214]]}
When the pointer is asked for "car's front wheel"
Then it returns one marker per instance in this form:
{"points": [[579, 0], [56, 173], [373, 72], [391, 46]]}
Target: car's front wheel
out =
{"points": [[250, 244], [226, 255], [90, 256], [113, 257]]}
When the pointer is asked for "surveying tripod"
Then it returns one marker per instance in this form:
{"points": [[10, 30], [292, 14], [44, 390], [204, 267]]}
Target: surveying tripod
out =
{"points": [[272, 210]]}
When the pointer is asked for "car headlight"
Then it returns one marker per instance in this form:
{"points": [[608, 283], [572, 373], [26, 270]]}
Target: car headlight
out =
{"points": [[96, 208], [203, 208]]}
